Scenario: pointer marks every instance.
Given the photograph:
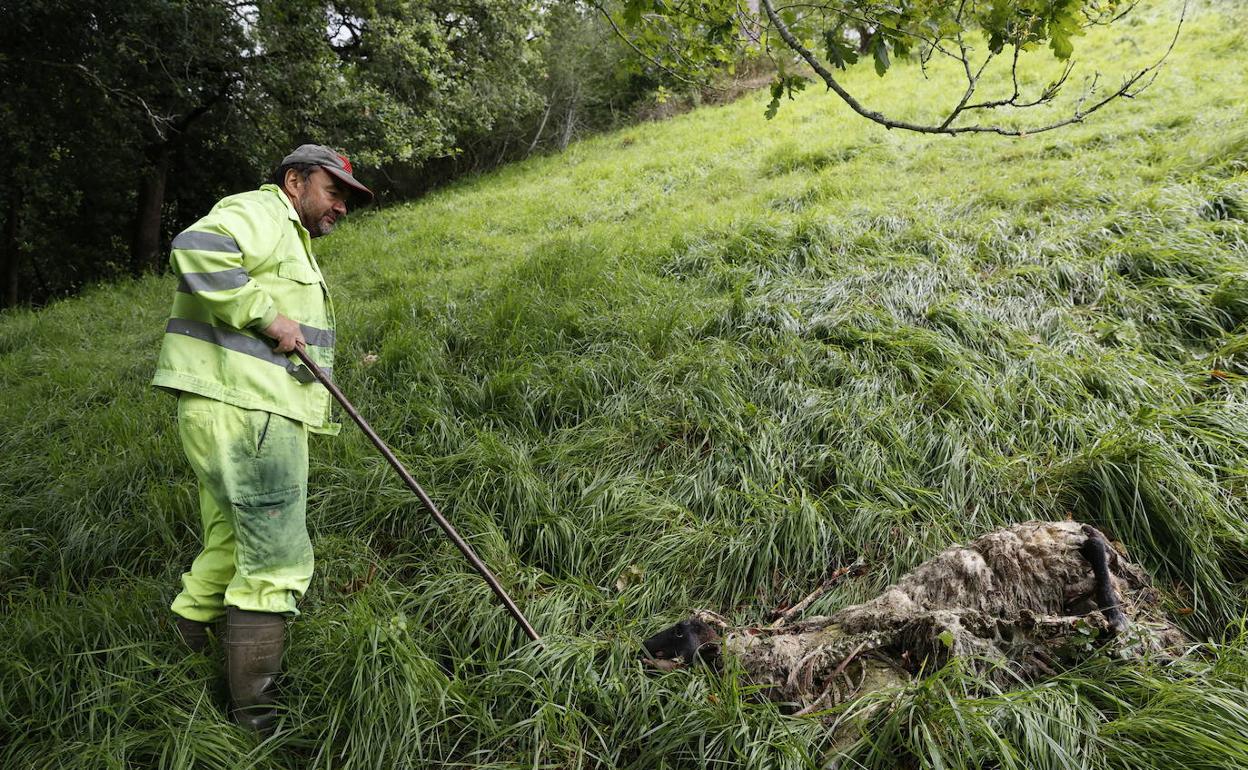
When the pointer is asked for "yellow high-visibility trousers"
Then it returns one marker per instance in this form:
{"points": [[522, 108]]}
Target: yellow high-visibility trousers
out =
{"points": [[253, 479]]}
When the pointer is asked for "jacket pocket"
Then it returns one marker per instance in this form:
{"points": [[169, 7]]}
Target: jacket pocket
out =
{"points": [[264, 432], [297, 271]]}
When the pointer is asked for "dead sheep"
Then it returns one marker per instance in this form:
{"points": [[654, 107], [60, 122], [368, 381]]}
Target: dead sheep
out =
{"points": [[1016, 602]]}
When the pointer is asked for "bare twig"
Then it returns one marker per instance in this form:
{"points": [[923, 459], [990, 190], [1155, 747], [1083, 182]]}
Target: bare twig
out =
{"points": [[836, 577], [972, 79], [1046, 95]]}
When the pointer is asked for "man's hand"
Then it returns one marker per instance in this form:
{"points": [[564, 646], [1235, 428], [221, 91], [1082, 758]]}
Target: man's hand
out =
{"points": [[286, 332]]}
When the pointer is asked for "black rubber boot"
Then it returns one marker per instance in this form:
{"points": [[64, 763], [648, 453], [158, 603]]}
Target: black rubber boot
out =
{"points": [[193, 633], [253, 659]]}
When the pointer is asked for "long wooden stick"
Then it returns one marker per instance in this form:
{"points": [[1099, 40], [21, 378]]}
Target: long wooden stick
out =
{"points": [[459, 542]]}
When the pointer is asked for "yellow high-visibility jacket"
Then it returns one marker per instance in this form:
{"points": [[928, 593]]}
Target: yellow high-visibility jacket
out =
{"points": [[238, 267]]}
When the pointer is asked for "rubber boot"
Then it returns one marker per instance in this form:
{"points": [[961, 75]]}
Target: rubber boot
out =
{"points": [[194, 633], [253, 659]]}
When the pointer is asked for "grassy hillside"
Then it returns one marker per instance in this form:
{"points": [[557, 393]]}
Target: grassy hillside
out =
{"points": [[691, 364]]}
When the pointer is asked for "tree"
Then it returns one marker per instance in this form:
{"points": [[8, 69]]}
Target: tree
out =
{"points": [[590, 77], [108, 96], [688, 38]]}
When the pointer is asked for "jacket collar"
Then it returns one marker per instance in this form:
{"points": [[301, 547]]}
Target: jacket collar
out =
{"points": [[291, 213], [290, 207]]}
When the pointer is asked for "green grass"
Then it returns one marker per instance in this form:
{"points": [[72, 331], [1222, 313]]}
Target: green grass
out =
{"points": [[717, 357]]}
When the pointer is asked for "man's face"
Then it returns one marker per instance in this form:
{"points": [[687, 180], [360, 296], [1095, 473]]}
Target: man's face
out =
{"points": [[320, 200]]}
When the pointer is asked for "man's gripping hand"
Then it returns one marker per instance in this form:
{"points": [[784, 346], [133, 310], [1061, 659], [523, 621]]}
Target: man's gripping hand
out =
{"points": [[286, 332]]}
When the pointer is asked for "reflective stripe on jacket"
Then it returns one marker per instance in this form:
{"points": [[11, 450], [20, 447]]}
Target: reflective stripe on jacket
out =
{"points": [[238, 267]]}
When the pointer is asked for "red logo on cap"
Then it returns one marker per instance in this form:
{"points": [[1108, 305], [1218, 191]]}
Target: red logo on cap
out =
{"points": [[346, 164]]}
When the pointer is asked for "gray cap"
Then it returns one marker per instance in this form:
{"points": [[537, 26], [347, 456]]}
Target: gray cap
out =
{"points": [[334, 162]]}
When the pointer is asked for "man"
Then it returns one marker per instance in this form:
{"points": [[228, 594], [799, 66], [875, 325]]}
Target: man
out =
{"points": [[249, 293]]}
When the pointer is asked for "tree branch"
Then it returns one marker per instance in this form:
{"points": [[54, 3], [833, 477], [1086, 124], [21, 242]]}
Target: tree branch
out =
{"points": [[620, 34], [160, 123], [873, 22], [1130, 87]]}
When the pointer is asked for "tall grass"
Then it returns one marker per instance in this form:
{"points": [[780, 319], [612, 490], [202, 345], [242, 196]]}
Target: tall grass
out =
{"points": [[700, 363]]}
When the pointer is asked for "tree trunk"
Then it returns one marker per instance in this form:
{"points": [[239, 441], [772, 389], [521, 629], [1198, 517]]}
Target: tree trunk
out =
{"points": [[145, 247], [9, 255], [569, 125], [542, 126]]}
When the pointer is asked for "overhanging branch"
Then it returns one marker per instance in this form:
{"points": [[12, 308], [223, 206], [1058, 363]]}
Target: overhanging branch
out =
{"points": [[1131, 86]]}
